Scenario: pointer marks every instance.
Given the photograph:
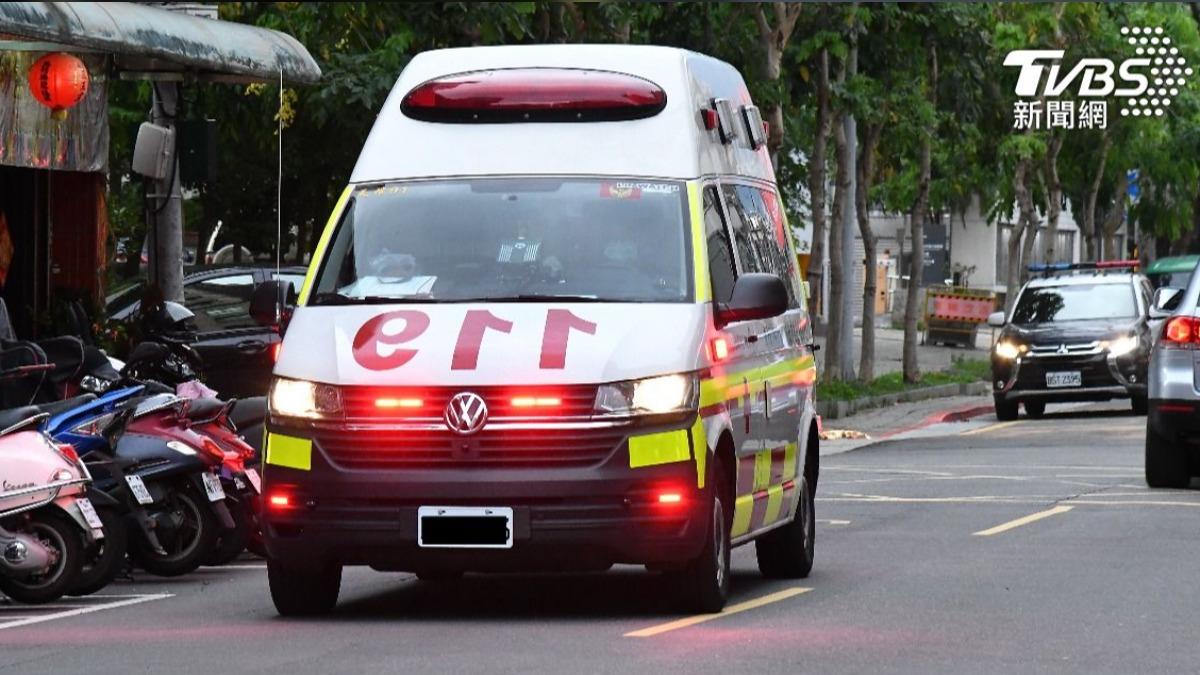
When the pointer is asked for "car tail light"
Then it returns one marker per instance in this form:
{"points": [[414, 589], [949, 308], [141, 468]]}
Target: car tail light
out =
{"points": [[280, 501], [670, 498], [534, 95], [1181, 332]]}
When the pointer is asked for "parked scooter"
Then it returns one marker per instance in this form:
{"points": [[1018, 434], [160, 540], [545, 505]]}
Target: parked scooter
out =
{"points": [[46, 520]]}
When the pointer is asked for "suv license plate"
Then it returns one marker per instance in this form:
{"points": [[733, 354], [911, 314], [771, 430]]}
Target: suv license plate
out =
{"points": [[1065, 379], [464, 527], [212, 485]]}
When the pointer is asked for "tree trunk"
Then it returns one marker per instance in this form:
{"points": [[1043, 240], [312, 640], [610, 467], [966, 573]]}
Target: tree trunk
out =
{"points": [[1087, 226], [816, 187], [835, 341], [1025, 226], [1053, 200], [866, 174], [920, 211], [1112, 222], [774, 39]]}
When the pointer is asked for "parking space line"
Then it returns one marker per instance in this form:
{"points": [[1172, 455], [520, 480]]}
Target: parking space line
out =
{"points": [[1031, 518], [731, 609], [128, 600], [989, 428]]}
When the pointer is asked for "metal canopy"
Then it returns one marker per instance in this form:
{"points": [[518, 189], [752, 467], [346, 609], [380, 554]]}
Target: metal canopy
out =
{"points": [[159, 42]]}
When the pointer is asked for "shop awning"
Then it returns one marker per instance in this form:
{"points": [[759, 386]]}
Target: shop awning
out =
{"points": [[157, 42]]}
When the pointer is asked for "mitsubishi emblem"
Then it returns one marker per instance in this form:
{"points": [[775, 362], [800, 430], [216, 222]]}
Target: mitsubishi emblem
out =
{"points": [[466, 413]]}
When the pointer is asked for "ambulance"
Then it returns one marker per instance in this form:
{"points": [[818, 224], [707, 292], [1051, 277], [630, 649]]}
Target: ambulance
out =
{"points": [[555, 323]]}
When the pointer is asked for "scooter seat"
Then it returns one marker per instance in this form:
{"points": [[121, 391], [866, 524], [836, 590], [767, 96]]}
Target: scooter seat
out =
{"points": [[204, 408], [64, 405], [16, 419], [248, 411]]}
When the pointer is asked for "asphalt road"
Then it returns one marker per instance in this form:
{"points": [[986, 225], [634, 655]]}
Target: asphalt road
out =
{"points": [[978, 547]]}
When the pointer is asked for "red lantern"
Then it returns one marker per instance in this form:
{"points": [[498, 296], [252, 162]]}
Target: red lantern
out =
{"points": [[58, 81]]}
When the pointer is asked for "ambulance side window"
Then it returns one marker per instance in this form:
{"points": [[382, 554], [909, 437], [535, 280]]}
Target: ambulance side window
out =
{"points": [[760, 235], [721, 267], [740, 224]]}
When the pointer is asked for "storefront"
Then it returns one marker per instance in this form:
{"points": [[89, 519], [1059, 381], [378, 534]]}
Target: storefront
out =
{"points": [[53, 173]]}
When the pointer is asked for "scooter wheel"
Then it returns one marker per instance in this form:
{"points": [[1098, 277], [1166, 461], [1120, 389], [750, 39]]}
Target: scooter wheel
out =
{"points": [[58, 532], [188, 544], [106, 558]]}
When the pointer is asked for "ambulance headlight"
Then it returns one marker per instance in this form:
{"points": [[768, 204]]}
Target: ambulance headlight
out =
{"points": [[299, 398], [651, 396]]}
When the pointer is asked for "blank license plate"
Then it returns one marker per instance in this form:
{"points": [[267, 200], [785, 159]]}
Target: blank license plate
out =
{"points": [[1065, 379], [212, 485], [464, 527]]}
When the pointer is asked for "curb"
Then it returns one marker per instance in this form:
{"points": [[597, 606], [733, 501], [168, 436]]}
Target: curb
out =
{"points": [[953, 415], [832, 410]]}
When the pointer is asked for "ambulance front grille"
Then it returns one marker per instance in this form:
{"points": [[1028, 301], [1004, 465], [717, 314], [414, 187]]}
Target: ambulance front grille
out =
{"points": [[573, 401], [436, 449]]}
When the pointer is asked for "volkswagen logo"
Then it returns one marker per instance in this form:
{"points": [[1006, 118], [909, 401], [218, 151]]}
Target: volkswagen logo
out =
{"points": [[466, 413]]}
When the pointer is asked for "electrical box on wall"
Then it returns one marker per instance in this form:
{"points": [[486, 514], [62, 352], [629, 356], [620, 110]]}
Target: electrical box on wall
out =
{"points": [[154, 151]]}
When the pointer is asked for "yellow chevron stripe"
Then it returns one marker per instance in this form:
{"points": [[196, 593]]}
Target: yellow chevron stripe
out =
{"points": [[774, 504], [743, 508], [700, 449], [323, 244], [699, 244]]}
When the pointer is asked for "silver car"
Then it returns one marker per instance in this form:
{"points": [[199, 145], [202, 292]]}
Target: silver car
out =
{"points": [[1172, 422]]}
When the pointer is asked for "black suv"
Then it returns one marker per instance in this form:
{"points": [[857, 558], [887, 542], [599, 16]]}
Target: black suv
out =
{"points": [[237, 352], [1078, 332]]}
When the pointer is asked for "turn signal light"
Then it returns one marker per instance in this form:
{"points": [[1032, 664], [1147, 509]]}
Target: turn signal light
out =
{"points": [[1181, 332], [718, 349]]}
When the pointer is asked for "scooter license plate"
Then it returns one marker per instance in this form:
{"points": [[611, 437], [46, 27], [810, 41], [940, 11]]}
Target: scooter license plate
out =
{"points": [[138, 487], [464, 527], [212, 485], [255, 480], [89, 513]]}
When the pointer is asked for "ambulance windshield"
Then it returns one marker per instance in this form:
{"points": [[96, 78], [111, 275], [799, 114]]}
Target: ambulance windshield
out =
{"points": [[510, 240]]}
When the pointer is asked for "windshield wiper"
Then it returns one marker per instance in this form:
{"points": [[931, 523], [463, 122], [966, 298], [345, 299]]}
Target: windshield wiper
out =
{"points": [[540, 297], [334, 298]]}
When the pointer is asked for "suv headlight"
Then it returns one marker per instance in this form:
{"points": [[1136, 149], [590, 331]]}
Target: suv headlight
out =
{"points": [[1123, 345], [300, 398], [1008, 350], [651, 396]]}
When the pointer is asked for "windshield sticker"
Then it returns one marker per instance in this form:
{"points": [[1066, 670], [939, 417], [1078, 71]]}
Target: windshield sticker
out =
{"points": [[518, 251], [626, 190], [383, 190]]}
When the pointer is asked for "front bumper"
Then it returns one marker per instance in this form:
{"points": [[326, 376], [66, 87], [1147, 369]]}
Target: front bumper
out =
{"points": [[1103, 377], [564, 517]]}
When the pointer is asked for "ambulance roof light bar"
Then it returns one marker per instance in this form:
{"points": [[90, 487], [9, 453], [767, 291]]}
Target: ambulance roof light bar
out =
{"points": [[1101, 265], [514, 95]]}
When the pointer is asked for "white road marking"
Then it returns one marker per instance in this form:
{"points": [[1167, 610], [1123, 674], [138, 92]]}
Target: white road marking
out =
{"points": [[80, 610]]}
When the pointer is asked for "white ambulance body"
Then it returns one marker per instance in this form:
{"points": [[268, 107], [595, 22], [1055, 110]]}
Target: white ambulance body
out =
{"points": [[555, 322]]}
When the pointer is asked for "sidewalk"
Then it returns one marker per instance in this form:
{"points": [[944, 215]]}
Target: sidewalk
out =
{"points": [[889, 350], [903, 418]]}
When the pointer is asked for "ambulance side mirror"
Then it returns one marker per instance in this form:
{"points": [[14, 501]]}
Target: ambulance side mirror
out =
{"points": [[755, 296], [272, 303]]}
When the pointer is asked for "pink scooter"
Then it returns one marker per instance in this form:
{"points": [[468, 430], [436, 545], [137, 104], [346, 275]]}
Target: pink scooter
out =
{"points": [[46, 522]]}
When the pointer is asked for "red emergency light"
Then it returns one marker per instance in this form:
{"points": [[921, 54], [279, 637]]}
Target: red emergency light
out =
{"points": [[536, 401], [534, 95], [387, 403]]}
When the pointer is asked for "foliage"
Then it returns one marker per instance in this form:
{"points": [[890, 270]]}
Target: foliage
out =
{"points": [[962, 371]]}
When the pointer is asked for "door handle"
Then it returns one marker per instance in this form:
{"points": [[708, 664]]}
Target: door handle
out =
{"points": [[251, 346]]}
